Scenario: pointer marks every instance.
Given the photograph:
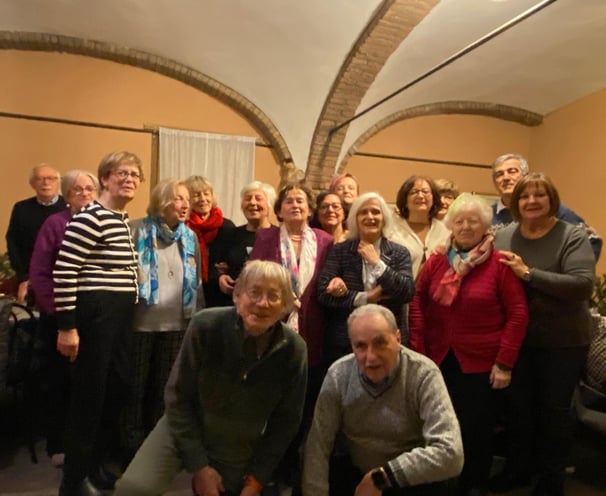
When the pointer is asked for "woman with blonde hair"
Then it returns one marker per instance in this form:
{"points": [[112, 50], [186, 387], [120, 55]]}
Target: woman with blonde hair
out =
{"points": [[168, 278]]}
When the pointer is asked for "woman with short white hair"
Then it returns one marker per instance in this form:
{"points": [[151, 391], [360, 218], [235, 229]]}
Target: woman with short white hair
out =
{"points": [[469, 316]]}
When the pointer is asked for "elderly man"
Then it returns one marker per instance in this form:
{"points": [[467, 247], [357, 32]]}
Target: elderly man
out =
{"points": [[26, 219], [235, 396], [506, 172], [391, 410]]}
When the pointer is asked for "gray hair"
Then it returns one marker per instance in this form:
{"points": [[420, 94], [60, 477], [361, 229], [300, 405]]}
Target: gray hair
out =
{"points": [[163, 195], [115, 159], [70, 177], [508, 156], [256, 270], [32, 174], [352, 221], [197, 184], [468, 202], [267, 189], [374, 309]]}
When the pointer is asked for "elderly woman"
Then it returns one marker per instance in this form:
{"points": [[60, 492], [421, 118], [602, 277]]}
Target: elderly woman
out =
{"points": [[78, 188], [95, 287], [234, 397], [346, 187], [555, 262], [169, 276], [330, 215], [448, 191], [416, 225], [469, 316], [367, 268], [257, 200], [207, 221]]}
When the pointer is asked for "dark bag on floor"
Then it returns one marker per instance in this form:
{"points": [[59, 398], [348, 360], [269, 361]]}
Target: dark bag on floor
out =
{"points": [[24, 347]]}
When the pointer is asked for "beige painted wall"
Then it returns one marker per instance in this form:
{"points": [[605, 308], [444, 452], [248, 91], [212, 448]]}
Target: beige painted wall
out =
{"points": [[567, 145], [82, 88]]}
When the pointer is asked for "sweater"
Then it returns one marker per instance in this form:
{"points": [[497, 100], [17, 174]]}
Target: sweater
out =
{"points": [[486, 323], [411, 428], [562, 270], [43, 259], [97, 254], [25, 222], [228, 408], [437, 235]]}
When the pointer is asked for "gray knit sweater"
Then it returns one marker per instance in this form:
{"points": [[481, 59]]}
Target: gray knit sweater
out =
{"points": [[411, 426]]}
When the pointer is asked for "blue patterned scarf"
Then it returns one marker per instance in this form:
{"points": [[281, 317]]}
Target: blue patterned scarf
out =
{"points": [[151, 229]]}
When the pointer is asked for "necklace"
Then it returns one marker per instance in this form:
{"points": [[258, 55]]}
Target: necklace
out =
{"points": [[295, 237]]}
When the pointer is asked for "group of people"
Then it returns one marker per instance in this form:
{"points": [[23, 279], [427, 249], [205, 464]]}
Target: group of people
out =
{"points": [[365, 348]]}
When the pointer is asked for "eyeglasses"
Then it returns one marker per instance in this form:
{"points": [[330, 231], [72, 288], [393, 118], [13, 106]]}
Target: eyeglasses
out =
{"points": [[123, 174], [257, 295], [415, 192], [50, 179], [335, 206], [78, 190]]}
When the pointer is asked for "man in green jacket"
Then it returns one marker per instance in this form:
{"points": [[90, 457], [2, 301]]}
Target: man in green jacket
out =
{"points": [[234, 398]]}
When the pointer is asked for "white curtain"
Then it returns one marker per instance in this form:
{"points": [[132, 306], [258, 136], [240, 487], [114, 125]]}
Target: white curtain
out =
{"points": [[228, 162]]}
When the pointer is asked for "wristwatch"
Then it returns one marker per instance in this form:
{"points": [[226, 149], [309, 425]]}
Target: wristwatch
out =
{"points": [[379, 478]]}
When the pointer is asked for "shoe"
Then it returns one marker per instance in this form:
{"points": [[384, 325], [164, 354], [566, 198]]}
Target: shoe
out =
{"points": [[102, 479], [506, 481], [58, 460]]}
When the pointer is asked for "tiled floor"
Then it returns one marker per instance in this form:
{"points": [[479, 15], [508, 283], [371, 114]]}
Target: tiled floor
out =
{"points": [[20, 477]]}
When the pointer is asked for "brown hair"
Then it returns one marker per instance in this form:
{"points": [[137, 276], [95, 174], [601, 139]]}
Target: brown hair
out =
{"points": [[402, 198], [115, 159], [287, 189], [537, 179]]}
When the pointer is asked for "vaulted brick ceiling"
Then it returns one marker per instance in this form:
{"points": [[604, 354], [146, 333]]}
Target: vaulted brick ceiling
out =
{"points": [[297, 70]]}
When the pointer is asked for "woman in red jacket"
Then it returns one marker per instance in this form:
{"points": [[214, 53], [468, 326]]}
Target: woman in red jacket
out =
{"points": [[469, 316]]}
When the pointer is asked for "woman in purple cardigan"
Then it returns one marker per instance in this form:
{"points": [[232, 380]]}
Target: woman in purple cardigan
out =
{"points": [[79, 188]]}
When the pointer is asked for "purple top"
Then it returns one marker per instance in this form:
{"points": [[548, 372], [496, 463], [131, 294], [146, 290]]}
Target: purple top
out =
{"points": [[43, 259]]}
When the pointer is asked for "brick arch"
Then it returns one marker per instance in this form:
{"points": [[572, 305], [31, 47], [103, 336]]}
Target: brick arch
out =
{"points": [[16, 40], [497, 111], [391, 23]]}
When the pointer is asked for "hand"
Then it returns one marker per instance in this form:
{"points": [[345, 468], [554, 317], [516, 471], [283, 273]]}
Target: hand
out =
{"points": [[515, 262], [375, 295], [336, 287], [226, 284], [249, 491], [207, 482], [499, 378], [22, 290], [222, 267], [68, 343], [366, 487], [367, 252]]}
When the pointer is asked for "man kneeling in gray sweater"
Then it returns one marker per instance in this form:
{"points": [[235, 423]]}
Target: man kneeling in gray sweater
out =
{"points": [[390, 410]]}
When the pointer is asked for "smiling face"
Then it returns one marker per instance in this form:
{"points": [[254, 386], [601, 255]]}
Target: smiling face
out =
{"points": [[254, 206], [45, 182], [446, 200], [259, 305], [467, 229], [82, 192], [202, 202], [506, 176], [420, 198], [295, 207], [375, 345], [122, 182], [330, 212], [534, 202], [347, 189], [369, 219], [178, 210]]}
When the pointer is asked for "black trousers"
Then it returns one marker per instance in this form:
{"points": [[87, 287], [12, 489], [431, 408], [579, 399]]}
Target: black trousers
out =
{"points": [[100, 381], [540, 419], [475, 403], [344, 477], [54, 383]]}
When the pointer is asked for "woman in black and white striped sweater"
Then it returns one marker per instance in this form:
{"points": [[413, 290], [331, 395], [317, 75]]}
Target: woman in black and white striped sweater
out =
{"points": [[95, 294]]}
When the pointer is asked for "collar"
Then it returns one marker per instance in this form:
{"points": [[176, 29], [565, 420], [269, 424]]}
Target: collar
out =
{"points": [[500, 206], [376, 389], [52, 201]]}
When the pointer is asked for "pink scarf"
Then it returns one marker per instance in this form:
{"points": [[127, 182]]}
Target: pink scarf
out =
{"points": [[449, 286]]}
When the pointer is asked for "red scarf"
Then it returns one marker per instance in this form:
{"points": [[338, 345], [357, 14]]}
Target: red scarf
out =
{"points": [[206, 231]]}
